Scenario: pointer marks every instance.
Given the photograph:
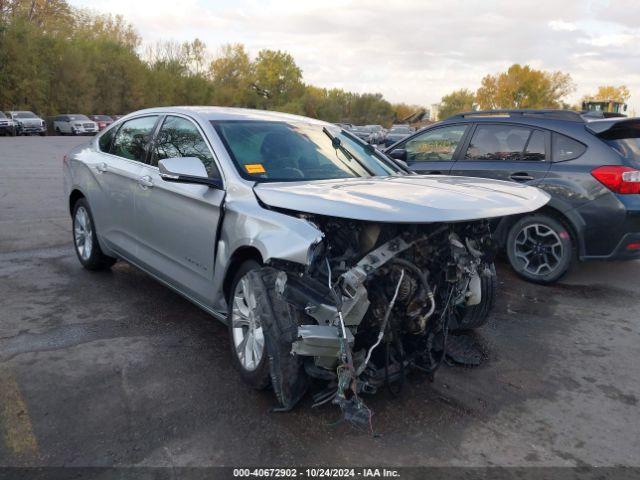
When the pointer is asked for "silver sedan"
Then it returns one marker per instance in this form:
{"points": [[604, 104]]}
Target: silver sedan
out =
{"points": [[325, 258]]}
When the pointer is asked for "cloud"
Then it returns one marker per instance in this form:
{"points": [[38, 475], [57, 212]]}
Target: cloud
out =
{"points": [[562, 26], [411, 51]]}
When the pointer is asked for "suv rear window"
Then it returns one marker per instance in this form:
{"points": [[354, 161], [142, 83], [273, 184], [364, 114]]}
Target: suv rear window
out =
{"points": [[627, 147], [565, 148]]}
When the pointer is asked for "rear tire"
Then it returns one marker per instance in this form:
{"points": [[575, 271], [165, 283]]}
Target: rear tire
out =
{"points": [[540, 248], [85, 239], [475, 316]]}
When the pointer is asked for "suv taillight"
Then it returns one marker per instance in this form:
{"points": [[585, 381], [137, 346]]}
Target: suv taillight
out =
{"points": [[618, 179]]}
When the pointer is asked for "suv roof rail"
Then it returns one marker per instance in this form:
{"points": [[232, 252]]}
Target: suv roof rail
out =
{"points": [[570, 115]]}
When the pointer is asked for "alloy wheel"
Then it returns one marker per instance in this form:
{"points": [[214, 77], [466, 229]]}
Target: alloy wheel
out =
{"points": [[83, 233], [539, 248], [248, 335]]}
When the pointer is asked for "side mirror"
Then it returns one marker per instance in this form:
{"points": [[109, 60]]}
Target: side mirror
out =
{"points": [[399, 154], [186, 170]]}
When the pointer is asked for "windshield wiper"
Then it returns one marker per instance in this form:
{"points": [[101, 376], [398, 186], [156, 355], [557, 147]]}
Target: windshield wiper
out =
{"points": [[336, 143], [388, 161]]}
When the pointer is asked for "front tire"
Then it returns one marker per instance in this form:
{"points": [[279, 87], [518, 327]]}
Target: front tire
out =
{"points": [[540, 248], [85, 239], [253, 291], [475, 316]]}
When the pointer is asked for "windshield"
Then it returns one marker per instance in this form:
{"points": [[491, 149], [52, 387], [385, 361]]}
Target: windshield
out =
{"points": [[288, 152], [76, 116], [102, 118], [2, 115], [25, 115], [400, 130]]}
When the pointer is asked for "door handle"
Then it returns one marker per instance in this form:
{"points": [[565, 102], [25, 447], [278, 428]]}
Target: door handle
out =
{"points": [[520, 177], [145, 182], [102, 167]]}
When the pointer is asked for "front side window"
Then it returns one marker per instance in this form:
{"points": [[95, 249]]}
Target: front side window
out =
{"points": [[266, 151], [104, 142], [179, 137], [435, 145], [133, 137], [565, 148]]}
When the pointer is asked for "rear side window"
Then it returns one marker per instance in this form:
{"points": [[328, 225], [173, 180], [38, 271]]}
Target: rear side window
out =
{"points": [[133, 137], [536, 149], [498, 142], [105, 140], [565, 148], [179, 137]]}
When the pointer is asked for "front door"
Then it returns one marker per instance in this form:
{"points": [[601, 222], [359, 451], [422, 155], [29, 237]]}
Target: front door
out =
{"points": [[177, 223], [433, 152], [514, 153]]}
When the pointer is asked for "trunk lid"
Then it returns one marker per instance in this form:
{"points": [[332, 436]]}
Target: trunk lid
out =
{"points": [[406, 199]]}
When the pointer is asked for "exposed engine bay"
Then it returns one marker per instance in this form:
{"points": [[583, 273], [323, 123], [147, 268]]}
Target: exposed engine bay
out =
{"points": [[374, 301]]}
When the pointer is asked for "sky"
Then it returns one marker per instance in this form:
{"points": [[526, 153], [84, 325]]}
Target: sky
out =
{"points": [[411, 51]]}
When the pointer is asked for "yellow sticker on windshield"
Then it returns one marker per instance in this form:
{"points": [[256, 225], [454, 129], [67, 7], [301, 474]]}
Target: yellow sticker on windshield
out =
{"points": [[255, 168]]}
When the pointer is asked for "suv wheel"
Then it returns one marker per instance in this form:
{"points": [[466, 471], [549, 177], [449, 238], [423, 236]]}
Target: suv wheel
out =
{"points": [[85, 239], [540, 248]]}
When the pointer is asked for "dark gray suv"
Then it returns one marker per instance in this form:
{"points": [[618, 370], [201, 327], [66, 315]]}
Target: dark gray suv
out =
{"points": [[590, 166]]}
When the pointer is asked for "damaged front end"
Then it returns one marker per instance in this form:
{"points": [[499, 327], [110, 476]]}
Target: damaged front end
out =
{"points": [[374, 301]]}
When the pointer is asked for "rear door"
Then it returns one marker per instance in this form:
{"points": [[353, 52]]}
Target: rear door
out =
{"points": [[510, 152], [117, 169], [177, 223], [434, 151]]}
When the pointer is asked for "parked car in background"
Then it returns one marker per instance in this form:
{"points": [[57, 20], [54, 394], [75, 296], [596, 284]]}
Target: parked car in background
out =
{"points": [[397, 133], [27, 123], [377, 133], [103, 121], [346, 126], [7, 127], [591, 169], [363, 133], [74, 124]]}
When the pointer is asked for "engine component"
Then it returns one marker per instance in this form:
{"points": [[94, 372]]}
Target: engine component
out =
{"points": [[377, 300]]}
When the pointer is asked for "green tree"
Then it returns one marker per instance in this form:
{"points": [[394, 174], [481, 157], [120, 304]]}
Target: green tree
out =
{"points": [[231, 74], [524, 87], [458, 101], [278, 79]]}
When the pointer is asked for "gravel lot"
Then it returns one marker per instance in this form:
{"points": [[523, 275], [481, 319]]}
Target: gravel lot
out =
{"points": [[101, 369]]}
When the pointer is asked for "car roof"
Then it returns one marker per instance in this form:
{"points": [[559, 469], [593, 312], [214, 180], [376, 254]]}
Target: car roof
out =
{"points": [[560, 125], [230, 113]]}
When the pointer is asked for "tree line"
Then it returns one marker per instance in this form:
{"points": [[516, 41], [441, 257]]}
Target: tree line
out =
{"points": [[55, 58]]}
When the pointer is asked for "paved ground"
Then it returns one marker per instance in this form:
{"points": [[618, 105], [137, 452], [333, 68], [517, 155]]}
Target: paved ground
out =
{"points": [[114, 369]]}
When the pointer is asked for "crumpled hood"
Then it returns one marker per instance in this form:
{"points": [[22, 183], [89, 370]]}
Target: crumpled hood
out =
{"points": [[406, 199]]}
